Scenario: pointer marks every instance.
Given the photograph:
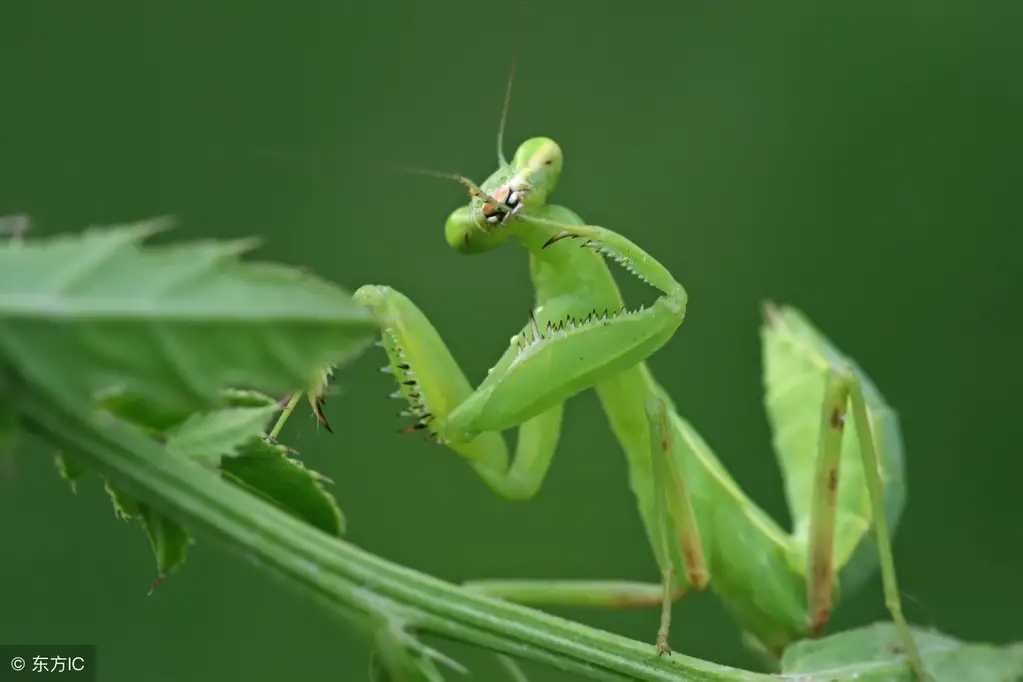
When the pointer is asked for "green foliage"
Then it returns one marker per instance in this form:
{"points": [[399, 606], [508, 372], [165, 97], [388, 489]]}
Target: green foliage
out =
{"points": [[266, 470], [168, 540], [155, 333], [170, 338], [873, 654], [70, 469], [354, 584], [207, 436]]}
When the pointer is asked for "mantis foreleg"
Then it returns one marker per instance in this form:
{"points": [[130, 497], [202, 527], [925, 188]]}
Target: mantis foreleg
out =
{"points": [[431, 381]]}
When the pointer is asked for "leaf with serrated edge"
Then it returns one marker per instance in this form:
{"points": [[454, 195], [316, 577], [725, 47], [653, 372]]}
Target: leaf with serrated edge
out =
{"points": [[267, 470], [125, 508], [70, 469], [168, 540], [207, 436], [874, 653], [155, 333]]}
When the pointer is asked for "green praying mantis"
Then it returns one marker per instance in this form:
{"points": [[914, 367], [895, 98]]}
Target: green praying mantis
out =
{"points": [[840, 481]]}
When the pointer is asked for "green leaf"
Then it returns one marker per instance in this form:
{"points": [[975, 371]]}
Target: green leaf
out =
{"points": [[155, 333], [168, 540], [207, 436], [70, 469], [125, 508], [873, 654], [266, 470]]}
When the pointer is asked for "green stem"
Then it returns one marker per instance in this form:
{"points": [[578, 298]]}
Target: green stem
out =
{"points": [[350, 581], [282, 419]]}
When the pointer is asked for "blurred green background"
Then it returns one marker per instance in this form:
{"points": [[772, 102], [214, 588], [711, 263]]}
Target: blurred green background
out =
{"points": [[860, 160]]}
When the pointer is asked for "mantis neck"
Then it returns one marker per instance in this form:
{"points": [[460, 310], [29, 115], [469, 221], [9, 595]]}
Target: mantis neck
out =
{"points": [[533, 236]]}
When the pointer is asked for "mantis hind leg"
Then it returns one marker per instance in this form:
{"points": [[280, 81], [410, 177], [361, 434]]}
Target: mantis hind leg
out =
{"points": [[678, 548], [884, 545], [676, 534], [612, 594], [842, 391]]}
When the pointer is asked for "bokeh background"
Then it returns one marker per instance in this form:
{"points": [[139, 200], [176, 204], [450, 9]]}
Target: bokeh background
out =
{"points": [[861, 160]]}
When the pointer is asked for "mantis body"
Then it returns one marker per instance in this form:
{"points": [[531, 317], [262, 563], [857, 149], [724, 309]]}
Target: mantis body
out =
{"points": [[703, 529]]}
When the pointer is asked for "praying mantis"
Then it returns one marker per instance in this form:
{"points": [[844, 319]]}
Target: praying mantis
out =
{"points": [[840, 481]]}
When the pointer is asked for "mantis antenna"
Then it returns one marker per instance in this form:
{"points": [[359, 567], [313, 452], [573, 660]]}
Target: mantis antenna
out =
{"points": [[504, 116], [474, 189]]}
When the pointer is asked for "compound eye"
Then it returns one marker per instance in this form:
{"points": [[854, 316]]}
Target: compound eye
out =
{"points": [[492, 213]]}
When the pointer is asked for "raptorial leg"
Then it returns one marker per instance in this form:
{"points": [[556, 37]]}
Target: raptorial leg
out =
{"points": [[434, 385], [624, 251]]}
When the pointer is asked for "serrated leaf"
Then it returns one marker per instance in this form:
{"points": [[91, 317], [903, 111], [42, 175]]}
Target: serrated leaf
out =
{"points": [[266, 470], [70, 469], [873, 654], [125, 508], [207, 436], [155, 333], [168, 540]]}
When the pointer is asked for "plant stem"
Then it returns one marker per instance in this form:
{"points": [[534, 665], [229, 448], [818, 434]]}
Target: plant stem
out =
{"points": [[350, 581], [282, 419]]}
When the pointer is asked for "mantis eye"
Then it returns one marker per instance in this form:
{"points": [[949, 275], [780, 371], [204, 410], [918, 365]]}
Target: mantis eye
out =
{"points": [[508, 197]]}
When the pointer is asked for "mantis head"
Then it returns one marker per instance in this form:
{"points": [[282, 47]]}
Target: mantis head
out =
{"points": [[520, 186]]}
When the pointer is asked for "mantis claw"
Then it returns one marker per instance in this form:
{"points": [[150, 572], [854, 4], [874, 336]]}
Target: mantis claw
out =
{"points": [[564, 234]]}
